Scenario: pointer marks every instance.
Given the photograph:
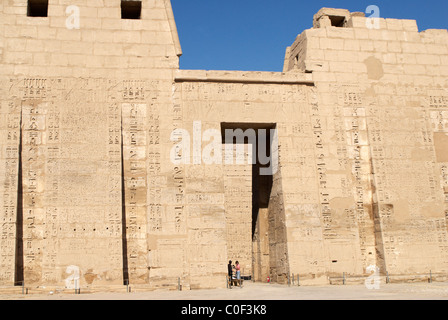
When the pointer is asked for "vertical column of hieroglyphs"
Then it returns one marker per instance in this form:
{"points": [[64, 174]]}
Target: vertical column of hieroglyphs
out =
{"points": [[320, 134], [298, 181], [134, 117], [321, 155], [165, 193], [34, 113], [10, 120], [173, 249], [51, 230], [238, 204], [157, 112], [176, 208], [343, 178], [377, 150], [355, 125], [114, 214], [155, 179], [438, 115], [166, 219], [438, 118]]}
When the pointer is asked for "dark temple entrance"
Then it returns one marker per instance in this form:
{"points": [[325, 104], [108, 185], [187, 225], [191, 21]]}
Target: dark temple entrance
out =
{"points": [[258, 138]]}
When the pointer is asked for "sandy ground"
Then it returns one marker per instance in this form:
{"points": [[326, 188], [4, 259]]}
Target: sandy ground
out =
{"points": [[257, 291]]}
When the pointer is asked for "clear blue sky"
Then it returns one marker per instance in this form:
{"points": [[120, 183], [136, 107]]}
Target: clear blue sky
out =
{"points": [[253, 34]]}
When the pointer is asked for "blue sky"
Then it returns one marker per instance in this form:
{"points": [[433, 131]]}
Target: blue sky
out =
{"points": [[253, 34]]}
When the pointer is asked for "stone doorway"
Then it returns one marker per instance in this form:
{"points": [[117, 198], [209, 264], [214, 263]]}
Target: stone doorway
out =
{"points": [[250, 233]]}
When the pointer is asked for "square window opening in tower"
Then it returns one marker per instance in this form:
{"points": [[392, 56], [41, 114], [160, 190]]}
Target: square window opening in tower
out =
{"points": [[131, 9], [338, 21], [37, 8]]}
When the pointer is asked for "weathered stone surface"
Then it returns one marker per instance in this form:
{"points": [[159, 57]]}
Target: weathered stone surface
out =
{"points": [[95, 183]]}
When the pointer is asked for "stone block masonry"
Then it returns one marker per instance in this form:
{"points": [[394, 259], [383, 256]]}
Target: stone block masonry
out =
{"points": [[90, 119]]}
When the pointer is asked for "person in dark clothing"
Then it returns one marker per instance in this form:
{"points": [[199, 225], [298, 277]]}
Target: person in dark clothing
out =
{"points": [[230, 269], [230, 273]]}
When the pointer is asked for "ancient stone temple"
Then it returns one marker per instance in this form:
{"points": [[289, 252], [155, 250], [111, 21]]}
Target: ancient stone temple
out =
{"points": [[115, 169]]}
